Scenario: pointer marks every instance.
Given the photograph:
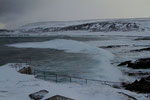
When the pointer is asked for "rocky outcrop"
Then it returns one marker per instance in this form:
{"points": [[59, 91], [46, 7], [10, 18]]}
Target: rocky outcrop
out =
{"points": [[113, 46], [142, 86], [105, 27], [140, 50], [129, 97], [58, 97], [38, 95], [142, 38], [100, 26], [25, 70], [138, 64], [5, 30], [125, 63], [39, 30]]}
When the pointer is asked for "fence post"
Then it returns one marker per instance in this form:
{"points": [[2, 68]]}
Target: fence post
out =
{"points": [[44, 75], [26, 62], [86, 81], [30, 61], [26, 71], [56, 78], [19, 67], [70, 79], [34, 72]]}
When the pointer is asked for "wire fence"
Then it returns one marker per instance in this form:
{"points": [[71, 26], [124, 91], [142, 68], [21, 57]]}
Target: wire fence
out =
{"points": [[49, 76], [45, 75]]}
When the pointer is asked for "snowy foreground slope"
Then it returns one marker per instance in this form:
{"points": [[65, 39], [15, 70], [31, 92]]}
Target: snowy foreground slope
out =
{"points": [[16, 86]]}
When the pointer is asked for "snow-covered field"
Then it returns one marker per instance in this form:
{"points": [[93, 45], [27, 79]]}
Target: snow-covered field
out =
{"points": [[16, 86]]}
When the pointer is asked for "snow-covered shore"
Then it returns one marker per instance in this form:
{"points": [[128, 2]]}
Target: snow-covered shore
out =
{"points": [[16, 86], [105, 69]]}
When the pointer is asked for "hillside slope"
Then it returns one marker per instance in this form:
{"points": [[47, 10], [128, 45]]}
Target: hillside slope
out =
{"points": [[123, 25]]}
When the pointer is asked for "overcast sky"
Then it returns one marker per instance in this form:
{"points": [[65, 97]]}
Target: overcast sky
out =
{"points": [[14, 13]]}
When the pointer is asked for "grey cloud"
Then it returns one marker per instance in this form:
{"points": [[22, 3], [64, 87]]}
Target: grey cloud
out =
{"points": [[12, 10], [13, 6]]}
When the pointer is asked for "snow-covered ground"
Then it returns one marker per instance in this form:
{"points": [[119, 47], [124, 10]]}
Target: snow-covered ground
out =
{"points": [[16, 86]]}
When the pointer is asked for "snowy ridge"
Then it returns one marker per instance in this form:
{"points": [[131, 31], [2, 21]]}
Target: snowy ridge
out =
{"points": [[106, 27], [124, 25]]}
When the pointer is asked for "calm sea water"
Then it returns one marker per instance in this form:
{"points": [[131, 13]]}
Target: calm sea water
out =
{"points": [[55, 61]]}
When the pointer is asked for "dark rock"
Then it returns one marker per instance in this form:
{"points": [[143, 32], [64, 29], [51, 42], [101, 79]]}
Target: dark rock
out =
{"points": [[142, 86], [128, 96], [105, 26], [38, 95], [148, 78], [25, 70], [125, 63], [143, 38], [113, 46], [139, 50], [5, 30], [58, 97], [102, 26], [139, 73], [138, 64]]}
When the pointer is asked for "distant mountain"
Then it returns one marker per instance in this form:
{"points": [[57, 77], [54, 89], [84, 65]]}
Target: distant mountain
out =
{"points": [[105, 27], [5, 30], [123, 25]]}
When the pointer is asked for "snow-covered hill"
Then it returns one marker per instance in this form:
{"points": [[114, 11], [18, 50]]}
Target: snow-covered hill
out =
{"points": [[124, 25]]}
